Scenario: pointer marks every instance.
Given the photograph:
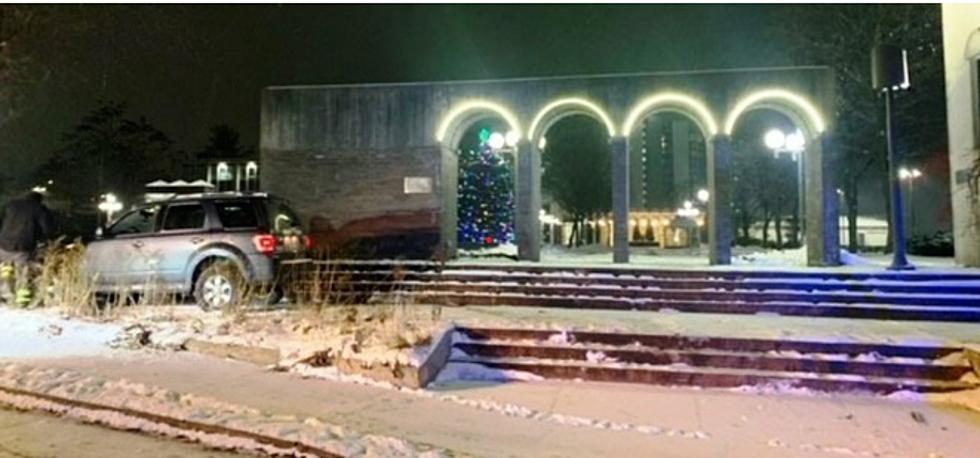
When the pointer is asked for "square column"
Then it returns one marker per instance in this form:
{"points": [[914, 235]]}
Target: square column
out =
{"points": [[527, 200], [620, 198], [823, 223], [720, 230]]}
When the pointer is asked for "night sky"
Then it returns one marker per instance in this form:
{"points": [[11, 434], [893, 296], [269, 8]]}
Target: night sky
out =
{"points": [[189, 67]]}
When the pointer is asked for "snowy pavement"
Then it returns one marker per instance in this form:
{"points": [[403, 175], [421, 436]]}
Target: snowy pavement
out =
{"points": [[29, 434], [536, 418], [599, 420]]}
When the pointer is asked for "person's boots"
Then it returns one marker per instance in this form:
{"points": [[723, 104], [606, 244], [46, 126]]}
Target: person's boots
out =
{"points": [[7, 283]]}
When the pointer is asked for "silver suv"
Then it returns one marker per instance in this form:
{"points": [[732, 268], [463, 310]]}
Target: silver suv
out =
{"points": [[218, 247]]}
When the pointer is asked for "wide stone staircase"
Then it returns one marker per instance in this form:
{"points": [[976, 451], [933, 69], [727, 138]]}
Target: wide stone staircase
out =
{"points": [[926, 296], [718, 362]]}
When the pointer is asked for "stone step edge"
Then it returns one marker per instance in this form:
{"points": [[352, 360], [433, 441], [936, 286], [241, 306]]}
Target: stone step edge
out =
{"points": [[684, 375]]}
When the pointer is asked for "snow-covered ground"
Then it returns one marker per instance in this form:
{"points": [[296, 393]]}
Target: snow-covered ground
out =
{"points": [[488, 418], [29, 334]]}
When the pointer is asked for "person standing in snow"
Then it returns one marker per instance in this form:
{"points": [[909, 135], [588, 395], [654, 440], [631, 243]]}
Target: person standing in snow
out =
{"points": [[26, 222]]}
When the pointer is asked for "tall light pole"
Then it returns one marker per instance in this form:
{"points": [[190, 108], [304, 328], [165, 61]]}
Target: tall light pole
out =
{"points": [[909, 175], [794, 144], [889, 74]]}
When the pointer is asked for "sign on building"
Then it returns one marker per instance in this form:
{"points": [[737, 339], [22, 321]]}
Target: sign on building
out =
{"points": [[418, 185]]}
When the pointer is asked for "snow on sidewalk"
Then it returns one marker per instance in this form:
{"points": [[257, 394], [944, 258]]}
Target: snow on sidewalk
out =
{"points": [[141, 397], [545, 418]]}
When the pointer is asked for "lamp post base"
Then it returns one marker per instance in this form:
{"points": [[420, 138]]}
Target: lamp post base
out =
{"points": [[901, 265]]}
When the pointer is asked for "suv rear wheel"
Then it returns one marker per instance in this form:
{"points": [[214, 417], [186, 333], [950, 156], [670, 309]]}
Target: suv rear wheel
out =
{"points": [[219, 286]]}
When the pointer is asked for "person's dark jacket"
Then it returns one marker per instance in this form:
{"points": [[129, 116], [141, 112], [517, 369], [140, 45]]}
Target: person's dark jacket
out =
{"points": [[26, 222]]}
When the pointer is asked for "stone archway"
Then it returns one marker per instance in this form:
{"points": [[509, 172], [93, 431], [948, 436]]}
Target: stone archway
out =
{"points": [[719, 241], [823, 244], [527, 215]]}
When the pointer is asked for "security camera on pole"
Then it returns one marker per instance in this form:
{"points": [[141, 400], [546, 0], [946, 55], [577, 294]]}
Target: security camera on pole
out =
{"points": [[890, 74]]}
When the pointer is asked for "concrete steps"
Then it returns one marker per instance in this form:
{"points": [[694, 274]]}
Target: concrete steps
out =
{"points": [[918, 296], [718, 362]]}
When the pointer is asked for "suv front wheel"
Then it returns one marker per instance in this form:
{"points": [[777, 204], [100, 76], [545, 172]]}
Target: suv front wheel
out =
{"points": [[219, 286]]}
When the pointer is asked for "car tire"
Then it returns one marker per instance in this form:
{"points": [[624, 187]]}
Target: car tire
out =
{"points": [[220, 286]]}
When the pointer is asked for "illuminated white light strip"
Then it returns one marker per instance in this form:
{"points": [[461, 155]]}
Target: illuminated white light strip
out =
{"points": [[468, 105], [603, 116], [812, 114], [671, 98]]}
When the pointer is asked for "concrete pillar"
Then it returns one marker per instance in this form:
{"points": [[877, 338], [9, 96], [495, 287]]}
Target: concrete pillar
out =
{"points": [[527, 214], [823, 225], [620, 198], [448, 185], [720, 229]]}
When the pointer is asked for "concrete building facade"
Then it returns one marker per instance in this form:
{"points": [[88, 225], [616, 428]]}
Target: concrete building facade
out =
{"points": [[378, 161], [961, 43]]}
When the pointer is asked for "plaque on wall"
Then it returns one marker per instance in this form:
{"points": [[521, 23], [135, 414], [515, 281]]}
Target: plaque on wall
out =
{"points": [[418, 185]]}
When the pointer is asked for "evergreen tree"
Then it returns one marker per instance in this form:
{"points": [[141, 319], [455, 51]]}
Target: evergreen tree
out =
{"points": [[486, 197]]}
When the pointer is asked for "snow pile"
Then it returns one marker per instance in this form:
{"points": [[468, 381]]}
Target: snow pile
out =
{"points": [[850, 259], [563, 337], [506, 250], [136, 396]]}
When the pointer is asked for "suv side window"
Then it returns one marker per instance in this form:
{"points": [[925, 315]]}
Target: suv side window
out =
{"points": [[237, 214], [139, 221], [184, 217]]}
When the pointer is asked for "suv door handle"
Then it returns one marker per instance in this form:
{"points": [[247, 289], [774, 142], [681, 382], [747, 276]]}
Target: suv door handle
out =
{"points": [[138, 244], [197, 240]]}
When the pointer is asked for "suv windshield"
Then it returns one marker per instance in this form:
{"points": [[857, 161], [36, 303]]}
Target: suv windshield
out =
{"points": [[140, 221]]}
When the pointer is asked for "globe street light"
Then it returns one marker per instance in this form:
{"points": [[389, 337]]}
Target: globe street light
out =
{"points": [[496, 141], [110, 205], [703, 196], [775, 139], [793, 143]]}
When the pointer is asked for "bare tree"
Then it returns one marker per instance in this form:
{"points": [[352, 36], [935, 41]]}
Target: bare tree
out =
{"points": [[842, 37]]}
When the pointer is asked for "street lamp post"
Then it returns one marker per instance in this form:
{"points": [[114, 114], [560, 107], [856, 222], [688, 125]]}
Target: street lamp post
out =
{"points": [[889, 74]]}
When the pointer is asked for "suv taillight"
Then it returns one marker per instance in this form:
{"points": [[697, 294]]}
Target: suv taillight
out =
{"points": [[308, 242], [265, 243]]}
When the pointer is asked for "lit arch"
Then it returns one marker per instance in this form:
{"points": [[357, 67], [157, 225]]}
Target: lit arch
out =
{"points": [[581, 103], [678, 102], [481, 105], [810, 114]]}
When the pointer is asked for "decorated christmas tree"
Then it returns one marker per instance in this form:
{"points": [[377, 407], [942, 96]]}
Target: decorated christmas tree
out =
{"points": [[486, 197]]}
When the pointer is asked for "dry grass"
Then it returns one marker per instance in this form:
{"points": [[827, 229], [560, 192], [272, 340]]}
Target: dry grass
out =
{"points": [[379, 315], [321, 293], [61, 281]]}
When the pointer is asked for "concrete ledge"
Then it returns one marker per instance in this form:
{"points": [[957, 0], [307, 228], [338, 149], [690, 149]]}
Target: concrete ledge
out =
{"points": [[405, 376], [972, 354]]}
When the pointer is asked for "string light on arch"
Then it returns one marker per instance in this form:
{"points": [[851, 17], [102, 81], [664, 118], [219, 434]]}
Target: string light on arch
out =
{"points": [[479, 104], [812, 114], [698, 108], [574, 101]]}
